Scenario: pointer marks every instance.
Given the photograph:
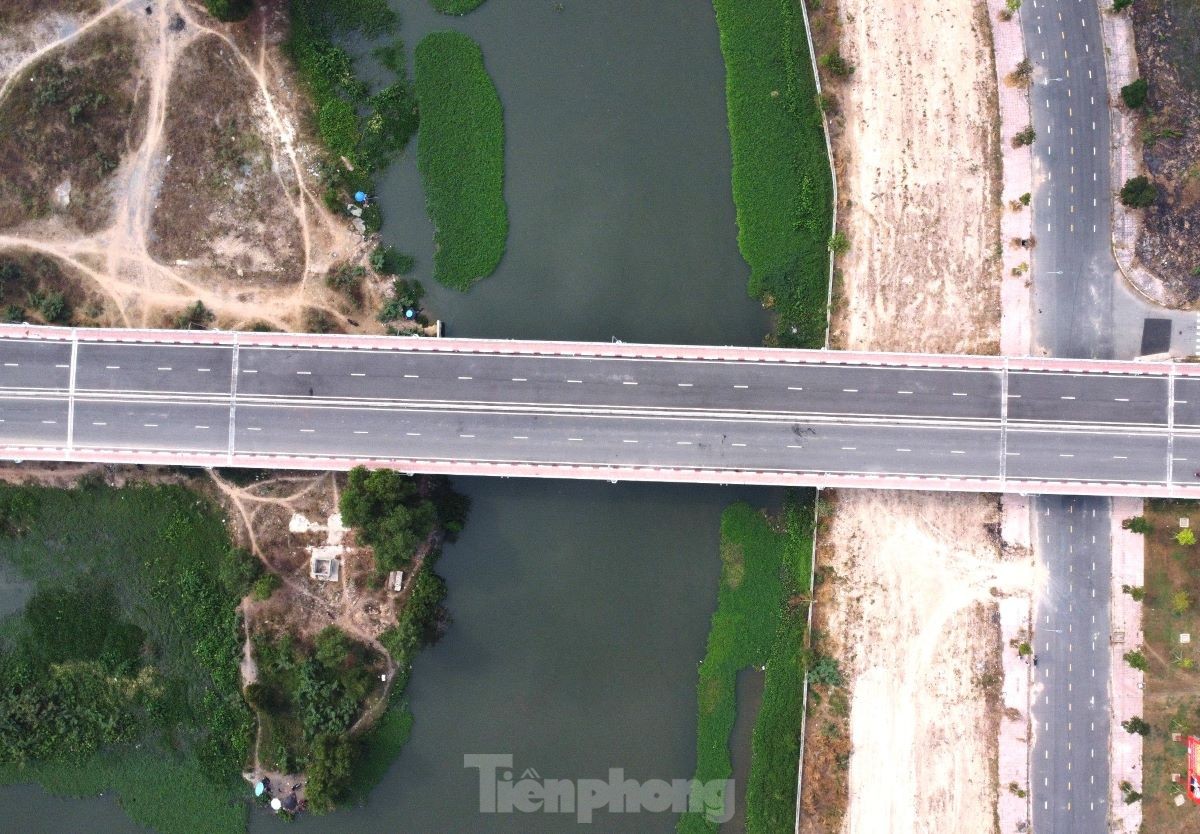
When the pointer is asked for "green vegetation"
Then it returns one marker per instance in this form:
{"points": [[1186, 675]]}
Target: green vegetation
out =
{"points": [[765, 566], [456, 7], [1137, 524], [1024, 137], [781, 181], [367, 128], [405, 294], [1186, 537], [121, 673], [307, 697], [1136, 725], [1134, 93], [460, 153], [395, 514], [195, 316], [387, 261], [836, 64], [1136, 659], [229, 10], [1119, 6], [1138, 192], [346, 280]]}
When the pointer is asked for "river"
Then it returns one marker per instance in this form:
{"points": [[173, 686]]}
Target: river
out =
{"points": [[580, 610]]}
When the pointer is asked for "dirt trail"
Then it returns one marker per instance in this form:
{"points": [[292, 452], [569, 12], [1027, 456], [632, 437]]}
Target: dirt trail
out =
{"points": [[117, 260]]}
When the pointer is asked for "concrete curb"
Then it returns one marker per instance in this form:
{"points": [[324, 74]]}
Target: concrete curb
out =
{"points": [[1125, 683]]}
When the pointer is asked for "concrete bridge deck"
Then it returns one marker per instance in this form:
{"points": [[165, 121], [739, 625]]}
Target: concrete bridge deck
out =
{"points": [[601, 411]]}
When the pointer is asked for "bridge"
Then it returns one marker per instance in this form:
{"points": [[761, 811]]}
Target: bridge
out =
{"points": [[600, 410]]}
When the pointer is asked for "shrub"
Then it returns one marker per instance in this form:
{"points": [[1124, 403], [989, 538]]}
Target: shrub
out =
{"points": [[839, 244], [346, 280], [1137, 524], [1023, 74], [836, 64], [1136, 725], [229, 10], [387, 261], [52, 306], [1119, 6], [824, 670], [405, 294], [1186, 537], [1136, 591], [196, 315], [1025, 198], [1025, 137], [1134, 93], [456, 7], [1138, 192], [1180, 603], [1136, 659], [266, 585]]}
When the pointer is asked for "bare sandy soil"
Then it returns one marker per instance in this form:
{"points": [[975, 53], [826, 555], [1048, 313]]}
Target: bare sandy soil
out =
{"points": [[149, 267], [907, 601], [916, 145]]}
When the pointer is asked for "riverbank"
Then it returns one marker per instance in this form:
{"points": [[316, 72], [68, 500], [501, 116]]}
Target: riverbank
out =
{"points": [[762, 607]]}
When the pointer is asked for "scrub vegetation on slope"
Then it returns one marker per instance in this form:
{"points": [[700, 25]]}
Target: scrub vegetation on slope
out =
{"points": [[460, 153]]}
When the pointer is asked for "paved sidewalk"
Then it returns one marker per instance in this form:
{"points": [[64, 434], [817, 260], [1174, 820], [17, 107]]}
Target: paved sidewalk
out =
{"points": [[1017, 172], [1016, 338], [1125, 684]]}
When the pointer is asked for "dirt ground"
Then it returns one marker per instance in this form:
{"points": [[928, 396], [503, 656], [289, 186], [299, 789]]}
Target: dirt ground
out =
{"points": [[213, 193], [917, 115], [1172, 695], [909, 580], [1167, 37]]}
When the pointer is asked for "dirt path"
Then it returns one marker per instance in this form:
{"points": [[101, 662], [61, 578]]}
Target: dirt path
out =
{"points": [[116, 260]]}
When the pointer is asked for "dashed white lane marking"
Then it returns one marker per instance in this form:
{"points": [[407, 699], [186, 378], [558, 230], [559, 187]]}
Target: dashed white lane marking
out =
{"points": [[412, 376], [519, 379], [520, 437], [849, 390], [627, 382], [253, 428], [957, 452], [17, 365], [795, 388], [683, 443], [112, 367], [307, 431], [203, 370], [150, 425], [248, 371], [99, 424], [684, 384], [49, 422], [741, 386], [904, 392], [957, 394], [200, 428], [849, 448], [352, 373], [904, 450], [740, 445], [468, 378], [164, 369], [412, 434], [575, 439], [303, 373], [579, 381], [468, 436], [363, 432], [629, 441]]}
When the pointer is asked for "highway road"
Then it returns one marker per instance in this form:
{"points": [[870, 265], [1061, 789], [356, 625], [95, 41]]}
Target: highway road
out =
{"points": [[1084, 308], [600, 411]]}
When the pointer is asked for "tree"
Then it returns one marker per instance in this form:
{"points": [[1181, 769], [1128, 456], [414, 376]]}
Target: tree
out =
{"points": [[1186, 537], [1136, 659], [406, 294], [1138, 192], [332, 647], [328, 772], [387, 261], [1136, 725], [1134, 93], [229, 10], [1119, 6], [1180, 603], [1137, 524]]}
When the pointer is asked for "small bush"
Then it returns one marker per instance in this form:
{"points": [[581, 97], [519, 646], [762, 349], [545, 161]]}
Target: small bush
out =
{"points": [[1136, 659], [194, 317], [229, 10], [1023, 74], [1137, 524], [1134, 93], [1136, 725], [266, 585], [1119, 6], [1137, 592], [839, 244], [1025, 137], [1025, 198], [1180, 603], [1186, 537], [836, 64], [1138, 192], [387, 261]]}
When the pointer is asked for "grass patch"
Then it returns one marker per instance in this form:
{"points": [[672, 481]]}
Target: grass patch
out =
{"points": [[760, 619], [781, 184], [65, 123], [122, 673], [460, 153]]}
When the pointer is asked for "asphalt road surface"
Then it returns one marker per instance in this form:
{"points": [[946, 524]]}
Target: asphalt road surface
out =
{"points": [[1083, 308], [214, 404]]}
